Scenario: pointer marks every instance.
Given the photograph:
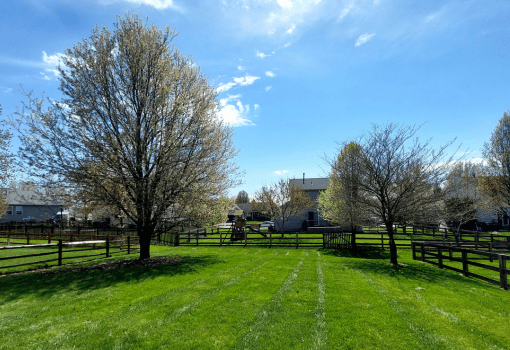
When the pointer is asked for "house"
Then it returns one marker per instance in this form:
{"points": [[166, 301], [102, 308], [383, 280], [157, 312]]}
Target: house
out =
{"points": [[466, 186], [28, 204], [312, 187]]}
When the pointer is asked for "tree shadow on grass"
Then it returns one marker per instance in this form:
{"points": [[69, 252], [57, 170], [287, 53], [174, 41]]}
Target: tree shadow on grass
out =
{"points": [[44, 285], [362, 253], [377, 261]]}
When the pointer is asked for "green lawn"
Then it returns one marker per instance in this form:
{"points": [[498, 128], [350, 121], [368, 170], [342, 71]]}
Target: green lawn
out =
{"points": [[255, 298]]}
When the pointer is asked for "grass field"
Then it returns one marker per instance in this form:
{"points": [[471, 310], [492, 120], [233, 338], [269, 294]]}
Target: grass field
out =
{"points": [[255, 298]]}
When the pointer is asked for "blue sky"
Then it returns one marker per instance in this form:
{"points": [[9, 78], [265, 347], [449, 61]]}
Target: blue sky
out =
{"points": [[295, 76]]}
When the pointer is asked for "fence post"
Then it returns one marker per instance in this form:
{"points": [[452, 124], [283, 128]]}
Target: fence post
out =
{"points": [[270, 239], [245, 238], [502, 271], [382, 240], [28, 236], [422, 252], [490, 251], [465, 263], [60, 253], [297, 240], [323, 240], [107, 246], [413, 246], [221, 237], [196, 236], [440, 257], [477, 238], [8, 238]]}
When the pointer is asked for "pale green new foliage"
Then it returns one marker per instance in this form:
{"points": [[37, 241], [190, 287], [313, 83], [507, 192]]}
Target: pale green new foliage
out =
{"points": [[330, 205]]}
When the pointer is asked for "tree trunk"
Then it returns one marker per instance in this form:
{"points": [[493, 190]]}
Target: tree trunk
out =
{"points": [[354, 246], [145, 235], [393, 246]]}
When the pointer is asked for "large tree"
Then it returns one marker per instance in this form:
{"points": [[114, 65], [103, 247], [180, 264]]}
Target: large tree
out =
{"points": [[137, 127], [242, 197], [341, 202], [397, 172], [463, 196], [496, 182], [5, 163], [282, 201]]}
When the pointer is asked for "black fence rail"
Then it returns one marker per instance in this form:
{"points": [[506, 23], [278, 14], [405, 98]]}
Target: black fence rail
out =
{"points": [[447, 256], [339, 240], [60, 251]]}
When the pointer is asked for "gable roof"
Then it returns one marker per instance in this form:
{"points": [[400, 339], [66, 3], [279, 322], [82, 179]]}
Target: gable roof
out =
{"points": [[25, 197], [312, 184]]}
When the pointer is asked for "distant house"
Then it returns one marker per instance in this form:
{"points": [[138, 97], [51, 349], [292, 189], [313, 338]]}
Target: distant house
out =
{"points": [[313, 187], [28, 204], [235, 212], [467, 186]]}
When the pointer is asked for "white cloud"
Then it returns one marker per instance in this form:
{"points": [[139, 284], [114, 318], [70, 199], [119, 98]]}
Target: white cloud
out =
{"points": [[225, 87], [291, 29], [431, 17], [262, 55], [270, 74], [281, 172], [51, 62], [286, 45], [246, 80], [225, 101], [286, 4], [243, 81], [363, 39], [158, 4], [268, 88], [345, 11], [256, 106], [241, 68], [8, 90], [234, 114]]}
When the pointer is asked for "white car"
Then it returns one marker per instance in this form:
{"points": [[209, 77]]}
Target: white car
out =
{"points": [[266, 224]]}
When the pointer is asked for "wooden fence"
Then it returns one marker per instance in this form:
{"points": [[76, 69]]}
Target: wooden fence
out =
{"points": [[434, 253], [111, 245]]}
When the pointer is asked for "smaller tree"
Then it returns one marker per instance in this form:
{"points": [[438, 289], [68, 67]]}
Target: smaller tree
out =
{"points": [[463, 198], [242, 197], [342, 202], [282, 201], [496, 181]]}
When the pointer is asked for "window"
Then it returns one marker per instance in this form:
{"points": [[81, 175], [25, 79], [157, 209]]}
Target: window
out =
{"points": [[19, 210], [9, 210]]}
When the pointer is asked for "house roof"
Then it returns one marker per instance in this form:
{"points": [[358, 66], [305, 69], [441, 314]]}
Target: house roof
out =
{"points": [[312, 184], [25, 197], [246, 207], [235, 210]]}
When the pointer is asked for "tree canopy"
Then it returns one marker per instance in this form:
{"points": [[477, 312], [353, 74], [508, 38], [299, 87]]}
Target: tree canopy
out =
{"points": [[397, 173], [282, 201], [496, 152], [242, 197], [137, 127]]}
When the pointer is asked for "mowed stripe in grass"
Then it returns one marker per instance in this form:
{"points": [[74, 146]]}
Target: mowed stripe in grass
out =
{"points": [[254, 298]]}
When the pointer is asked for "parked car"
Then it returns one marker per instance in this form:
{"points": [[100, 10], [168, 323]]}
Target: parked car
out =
{"points": [[29, 220], [267, 224]]}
